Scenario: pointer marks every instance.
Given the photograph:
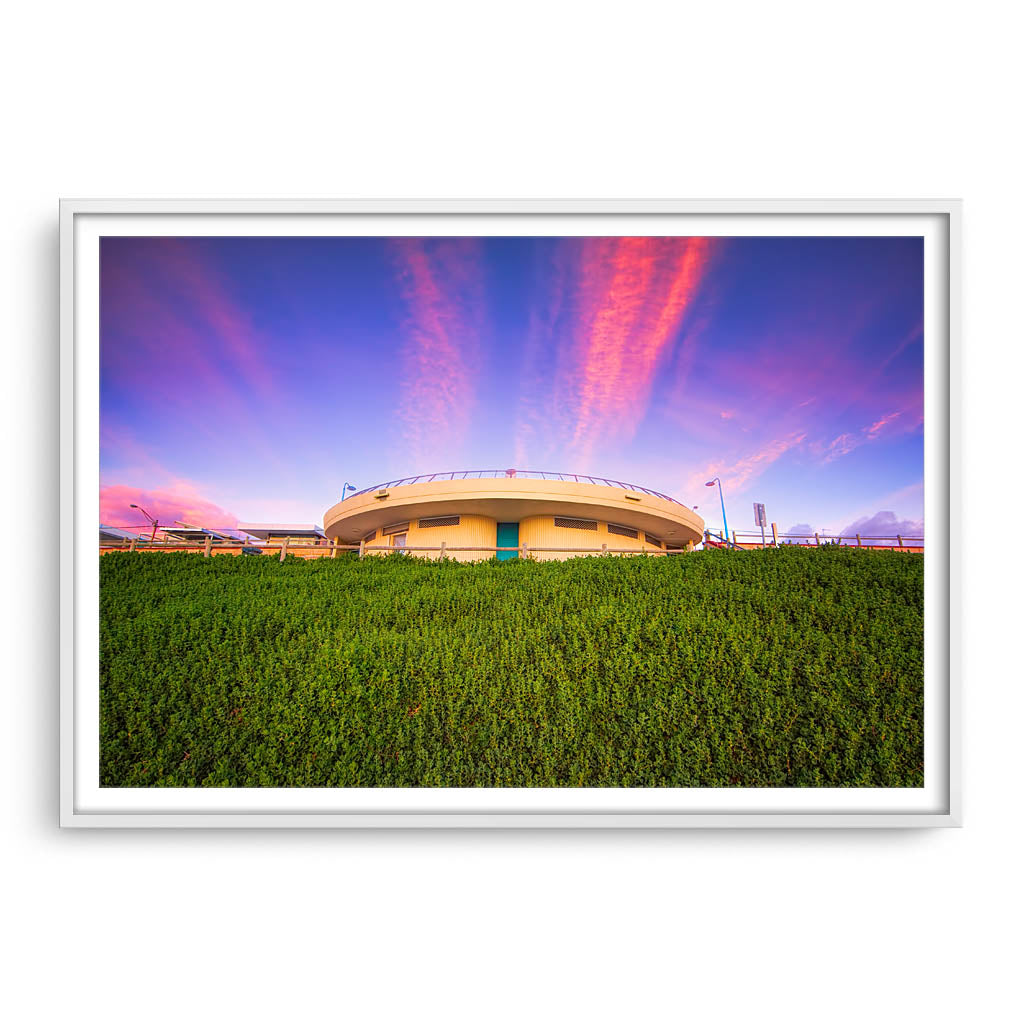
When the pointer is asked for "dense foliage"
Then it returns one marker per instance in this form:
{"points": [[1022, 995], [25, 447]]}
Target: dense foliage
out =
{"points": [[788, 667]]}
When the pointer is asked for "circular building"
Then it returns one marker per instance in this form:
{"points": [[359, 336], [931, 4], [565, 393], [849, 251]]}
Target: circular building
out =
{"points": [[470, 513]]}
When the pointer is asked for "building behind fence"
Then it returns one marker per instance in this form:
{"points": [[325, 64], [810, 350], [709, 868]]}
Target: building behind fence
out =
{"points": [[469, 515]]}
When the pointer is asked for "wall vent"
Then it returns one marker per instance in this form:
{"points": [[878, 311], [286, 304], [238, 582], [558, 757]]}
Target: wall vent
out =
{"points": [[653, 540], [397, 528], [575, 524], [372, 535], [623, 531], [426, 524]]}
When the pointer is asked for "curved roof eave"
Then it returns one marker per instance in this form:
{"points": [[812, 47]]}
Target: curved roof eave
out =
{"points": [[512, 501]]}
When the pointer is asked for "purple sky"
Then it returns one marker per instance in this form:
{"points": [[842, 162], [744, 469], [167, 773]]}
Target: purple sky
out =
{"points": [[249, 378]]}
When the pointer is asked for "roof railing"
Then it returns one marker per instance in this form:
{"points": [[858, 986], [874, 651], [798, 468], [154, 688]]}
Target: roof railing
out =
{"points": [[529, 474]]}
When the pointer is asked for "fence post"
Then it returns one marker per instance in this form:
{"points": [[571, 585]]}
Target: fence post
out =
{"points": [[817, 543], [526, 551], [334, 551], [899, 540], [131, 546], [858, 540], [604, 549], [443, 546], [775, 536], [207, 546], [284, 549], [362, 547]]}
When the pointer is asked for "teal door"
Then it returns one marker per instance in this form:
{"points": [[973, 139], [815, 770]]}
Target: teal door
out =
{"points": [[508, 537]]}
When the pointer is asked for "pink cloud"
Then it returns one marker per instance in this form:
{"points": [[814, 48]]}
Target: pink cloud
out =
{"points": [[619, 304], [540, 420], [876, 427], [807, 376], [442, 287], [736, 475], [181, 502], [842, 445], [848, 442], [161, 348], [183, 339], [814, 358], [209, 298], [914, 334], [627, 322]]}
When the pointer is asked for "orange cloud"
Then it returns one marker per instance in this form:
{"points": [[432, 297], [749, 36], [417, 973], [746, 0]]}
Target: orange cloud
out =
{"points": [[180, 502]]}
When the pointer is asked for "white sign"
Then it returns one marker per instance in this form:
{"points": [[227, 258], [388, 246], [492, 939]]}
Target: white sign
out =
{"points": [[759, 517]]}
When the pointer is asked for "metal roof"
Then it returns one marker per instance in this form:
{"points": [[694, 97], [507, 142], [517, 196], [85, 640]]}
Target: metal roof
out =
{"points": [[117, 533], [529, 474], [265, 530]]}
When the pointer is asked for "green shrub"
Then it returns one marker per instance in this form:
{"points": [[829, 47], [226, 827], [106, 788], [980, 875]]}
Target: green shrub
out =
{"points": [[788, 667]]}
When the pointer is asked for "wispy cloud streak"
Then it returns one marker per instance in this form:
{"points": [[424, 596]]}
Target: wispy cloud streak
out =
{"points": [[174, 314], [737, 474], [615, 307], [223, 319], [851, 440], [441, 283]]}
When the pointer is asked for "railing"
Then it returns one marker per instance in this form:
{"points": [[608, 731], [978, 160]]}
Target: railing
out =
{"points": [[512, 474], [743, 540], [738, 541], [213, 546]]}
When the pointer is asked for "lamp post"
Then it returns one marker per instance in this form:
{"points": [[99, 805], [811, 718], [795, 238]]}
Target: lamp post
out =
{"points": [[344, 488], [152, 536], [725, 524]]}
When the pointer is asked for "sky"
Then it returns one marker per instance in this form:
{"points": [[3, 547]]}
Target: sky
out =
{"points": [[248, 379]]}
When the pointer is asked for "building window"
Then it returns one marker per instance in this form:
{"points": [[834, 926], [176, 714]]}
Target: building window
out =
{"points": [[575, 524], [426, 524], [372, 535], [396, 528], [653, 540], [398, 540], [622, 531]]}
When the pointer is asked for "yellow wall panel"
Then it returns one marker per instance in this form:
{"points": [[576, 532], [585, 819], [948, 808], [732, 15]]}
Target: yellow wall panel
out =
{"points": [[541, 532], [472, 531]]}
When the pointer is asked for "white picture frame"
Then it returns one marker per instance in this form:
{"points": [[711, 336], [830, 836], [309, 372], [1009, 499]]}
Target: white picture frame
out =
{"points": [[83, 804]]}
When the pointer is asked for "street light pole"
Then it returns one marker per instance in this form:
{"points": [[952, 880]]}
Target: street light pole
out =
{"points": [[725, 523], [344, 488], [152, 536]]}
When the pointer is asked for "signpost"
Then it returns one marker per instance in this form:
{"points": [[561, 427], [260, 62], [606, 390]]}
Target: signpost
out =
{"points": [[760, 519]]}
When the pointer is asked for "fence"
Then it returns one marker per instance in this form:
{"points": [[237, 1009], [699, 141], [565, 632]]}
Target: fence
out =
{"points": [[235, 547], [212, 545], [747, 541]]}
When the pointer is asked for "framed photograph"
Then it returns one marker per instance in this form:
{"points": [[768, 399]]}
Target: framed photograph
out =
{"points": [[509, 514]]}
